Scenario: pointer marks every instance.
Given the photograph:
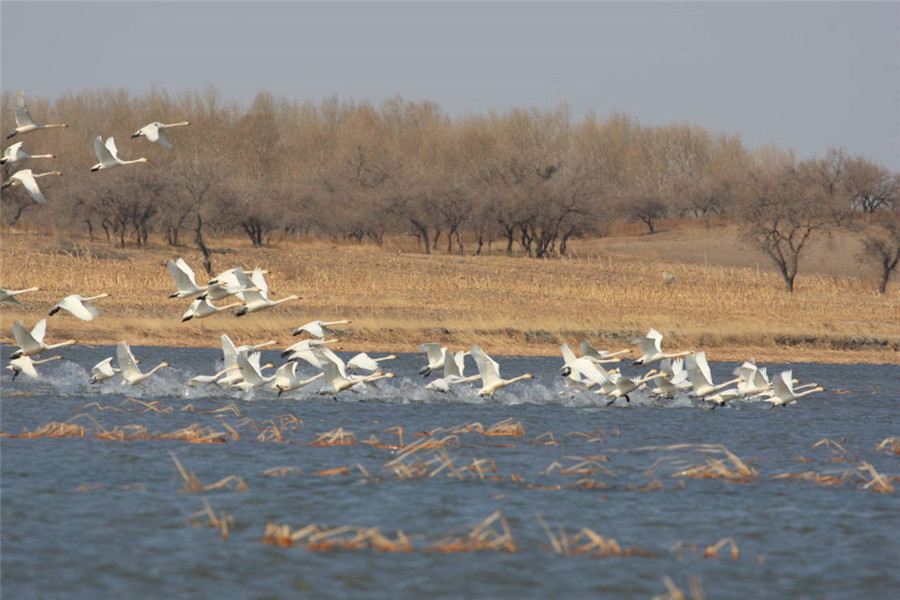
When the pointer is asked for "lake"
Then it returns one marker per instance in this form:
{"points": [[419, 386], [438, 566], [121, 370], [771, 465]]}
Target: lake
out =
{"points": [[653, 487]]}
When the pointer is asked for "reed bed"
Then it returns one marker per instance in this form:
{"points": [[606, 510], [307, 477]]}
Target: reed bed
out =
{"points": [[724, 464], [508, 305]]}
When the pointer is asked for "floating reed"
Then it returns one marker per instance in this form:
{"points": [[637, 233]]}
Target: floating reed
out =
{"points": [[712, 551], [589, 465], [890, 445], [191, 484], [282, 471], [586, 541], [314, 538], [675, 593], [483, 536], [336, 437], [220, 522], [727, 466]]}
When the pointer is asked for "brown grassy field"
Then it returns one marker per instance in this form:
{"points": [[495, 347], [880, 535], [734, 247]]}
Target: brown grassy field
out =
{"points": [[725, 299]]}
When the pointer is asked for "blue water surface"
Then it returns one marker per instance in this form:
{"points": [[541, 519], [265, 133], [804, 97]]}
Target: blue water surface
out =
{"points": [[85, 518]]}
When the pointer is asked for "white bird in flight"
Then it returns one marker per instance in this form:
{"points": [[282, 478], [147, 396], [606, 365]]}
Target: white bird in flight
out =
{"points": [[14, 154], [490, 373], [24, 364], [201, 308], [156, 132], [80, 306], [319, 329], [32, 342], [651, 349], [104, 370], [24, 122], [26, 178], [131, 374], [9, 296], [435, 354], [107, 154]]}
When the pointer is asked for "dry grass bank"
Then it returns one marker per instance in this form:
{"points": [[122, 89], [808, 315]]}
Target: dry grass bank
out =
{"points": [[725, 299]]}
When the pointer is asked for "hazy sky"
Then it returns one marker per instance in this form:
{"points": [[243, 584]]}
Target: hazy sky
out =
{"points": [[802, 75]]}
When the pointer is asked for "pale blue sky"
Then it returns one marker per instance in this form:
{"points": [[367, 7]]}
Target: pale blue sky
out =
{"points": [[802, 75]]}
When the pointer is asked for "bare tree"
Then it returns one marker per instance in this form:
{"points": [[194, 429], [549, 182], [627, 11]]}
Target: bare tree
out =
{"points": [[881, 242], [871, 186], [646, 209], [786, 205]]}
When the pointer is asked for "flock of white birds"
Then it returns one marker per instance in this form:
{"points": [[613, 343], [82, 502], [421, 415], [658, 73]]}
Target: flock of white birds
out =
{"points": [[106, 152], [681, 372], [676, 373]]}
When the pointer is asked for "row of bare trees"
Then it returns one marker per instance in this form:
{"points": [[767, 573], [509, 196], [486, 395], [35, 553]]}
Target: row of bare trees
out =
{"points": [[531, 180]]}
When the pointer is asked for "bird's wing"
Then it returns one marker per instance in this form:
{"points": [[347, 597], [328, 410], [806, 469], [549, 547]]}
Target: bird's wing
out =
{"points": [[182, 275], [83, 310], [30, 185], [23, 117], [39, 331], [126, 359], [163, 139], [104, 367], [12, 150], [229, 351], [362, 362], [313, 328], [26, 365], [487, 366], [781, 385], [258, 279], [567, 354], [454, 365], [102, 152], [111, 147], [286, 375], [23, 337], [432, 350], [657, 339], [331, 357]]}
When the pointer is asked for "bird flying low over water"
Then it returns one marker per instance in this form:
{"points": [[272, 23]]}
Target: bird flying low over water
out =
{"points": [[131, 374], [490, 373], [24, 122], [108, 155], [156, 132], [103, 370], [25, 365], [32, 342]]}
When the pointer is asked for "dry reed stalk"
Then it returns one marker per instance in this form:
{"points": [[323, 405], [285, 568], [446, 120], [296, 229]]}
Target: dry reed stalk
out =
{"points": [[220, 522], [282, 471], [191, 484], [152, 406], [813, 477], [336, 437], [840, 454], [88, 488], [483, 536], [878, 482], [583, 466], [890, 445], [586, 541], [99, 407], [675, 593], [712, 551], [333, 472], [51, 430], [508, 427], [196, 434], [545, 439]]}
